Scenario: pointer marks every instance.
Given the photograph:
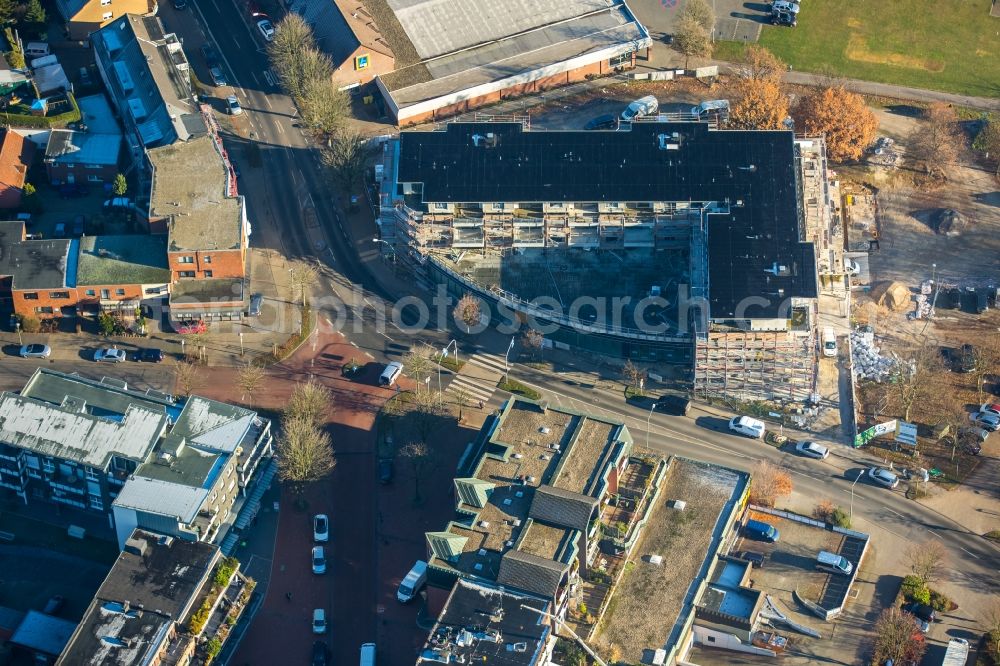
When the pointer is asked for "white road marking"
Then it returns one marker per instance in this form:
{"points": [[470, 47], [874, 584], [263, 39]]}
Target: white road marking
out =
{"points": [[970, 554]]}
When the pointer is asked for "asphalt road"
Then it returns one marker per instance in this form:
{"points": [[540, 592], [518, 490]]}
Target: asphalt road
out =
{"points": [[290, 180]]}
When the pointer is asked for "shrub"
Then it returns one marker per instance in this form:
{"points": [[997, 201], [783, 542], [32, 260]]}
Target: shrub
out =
{"points": [[914, 589], [938, 601], [197, 622], [213, 647], [29, 324], [840, 518], [225, 570]]}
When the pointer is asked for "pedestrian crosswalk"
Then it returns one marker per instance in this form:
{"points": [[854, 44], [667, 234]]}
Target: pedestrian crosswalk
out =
{"points": [[478, 378]]}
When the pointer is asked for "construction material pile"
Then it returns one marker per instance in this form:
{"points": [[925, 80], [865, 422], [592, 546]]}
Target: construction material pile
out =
{"points": [[868, 363], [884, 153], [924, 300]]}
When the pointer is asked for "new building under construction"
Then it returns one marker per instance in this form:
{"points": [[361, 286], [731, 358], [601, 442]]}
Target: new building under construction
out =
{"points": [[703, 231]]}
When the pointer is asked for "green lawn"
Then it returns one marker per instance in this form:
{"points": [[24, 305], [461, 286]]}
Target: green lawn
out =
{"points": [[950, 45]]}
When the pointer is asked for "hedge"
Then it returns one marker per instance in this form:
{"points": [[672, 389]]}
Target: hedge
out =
{"points": [[45, 122]]}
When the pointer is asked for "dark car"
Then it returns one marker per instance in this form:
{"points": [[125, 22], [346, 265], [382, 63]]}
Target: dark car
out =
{"points": [[255, 302], [54, 605], [72, 190], [951, 299], [924, 614], [150, 355], [78, 223], [755, 559], [384, 470], [607, 121], [966, 359], [673, 404], [320, 654], [210, 54], [180, 5], [784, 18]]}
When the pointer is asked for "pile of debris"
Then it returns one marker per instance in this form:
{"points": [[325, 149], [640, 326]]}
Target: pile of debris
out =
{"points": [[884, 153], [868, 363], [925, 302]]}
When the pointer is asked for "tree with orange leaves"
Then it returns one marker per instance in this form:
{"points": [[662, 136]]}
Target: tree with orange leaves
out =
{"points": [[842, 117]]}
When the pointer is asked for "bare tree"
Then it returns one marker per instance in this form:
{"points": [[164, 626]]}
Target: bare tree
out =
{"points": [[311, 401], [189, 377], [324, 107], [701, 12], [346, 154], [692, 39], [419, 361], [467, 311], [927, 559], [292, 39], [304, 275], [462, 397], [759, 64], [938, 141], [633, 376], [987, 357], [532, 341], [987, 140], [912, 379], [250, 377], [305, 453], [991, 622], [768, 482], [418, 454], [897, 638], [428, 413]]}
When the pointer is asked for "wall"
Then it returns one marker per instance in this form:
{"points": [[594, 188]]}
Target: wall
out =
{"points": [[78, 296], [378, 63], [126, 521], [718, 639], [59, 173], [221, 263]]}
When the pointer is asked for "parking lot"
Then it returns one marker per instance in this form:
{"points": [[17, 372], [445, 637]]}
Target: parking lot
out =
{"points": [[735, 19]]}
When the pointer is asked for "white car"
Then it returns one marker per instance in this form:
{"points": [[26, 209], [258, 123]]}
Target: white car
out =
{"points": [[35, 351], [991, 408], [748, 427], [986, 420], [812, 450], [318, 560], [644, 106], [319, 621], [321, 528], [883, 477], [266, 29], [111, 355], [233, 106]]}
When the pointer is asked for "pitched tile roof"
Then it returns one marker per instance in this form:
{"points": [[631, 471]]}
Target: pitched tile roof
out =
{"points": [[530, 573], [15, 158], [562, 507]]}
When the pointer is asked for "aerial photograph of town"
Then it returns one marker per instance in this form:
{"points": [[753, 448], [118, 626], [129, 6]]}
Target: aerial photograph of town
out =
{"points": [[499, 332]]}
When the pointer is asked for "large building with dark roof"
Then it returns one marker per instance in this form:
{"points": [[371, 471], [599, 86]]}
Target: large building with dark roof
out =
{"points": [[691, 228]]}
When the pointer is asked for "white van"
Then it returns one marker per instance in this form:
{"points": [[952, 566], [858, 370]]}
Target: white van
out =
{"points": [[833, 563], [391, 374], [36, 50], [413, 582], [368, 654], [829, 342], [748, 427]]}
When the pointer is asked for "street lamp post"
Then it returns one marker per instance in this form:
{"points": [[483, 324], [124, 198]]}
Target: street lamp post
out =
{"points": [[860, 473], [183, 355], [506, 361], [444, 355], [648, 419], [241, 343], [388, 245], [17, 327]]}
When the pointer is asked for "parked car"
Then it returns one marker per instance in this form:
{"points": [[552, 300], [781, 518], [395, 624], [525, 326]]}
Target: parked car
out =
{"points": [[54, 605], [321, 528], [716, 108], [318, 560], [784, 18], [319, 621], [150, 355], [210, 54], [35, 351], [990, 408], [266, 29], [761, 531], [118, 202], [784, 6], [218, 77], [60, 230], [320, 654], [923, 612], [756, 560], [109, 355], [180, 5], [673, 404], [78, 223], [813, 450], [607, 121], [986, 420], [384, 470], [883, 477], [233, 106], [644, 106], [748, 427]]}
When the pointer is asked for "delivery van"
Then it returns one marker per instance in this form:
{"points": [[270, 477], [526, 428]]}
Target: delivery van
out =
{"points": [[829, 342], [414, 580]]}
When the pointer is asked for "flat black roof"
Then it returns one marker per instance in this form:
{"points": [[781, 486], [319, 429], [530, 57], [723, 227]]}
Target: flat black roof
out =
{"points": [[754, 171]]}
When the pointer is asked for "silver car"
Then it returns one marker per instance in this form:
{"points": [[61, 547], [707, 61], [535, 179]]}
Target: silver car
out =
{"points": [[111, 355], [812, 450], [883, 477], [35, 351]]}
